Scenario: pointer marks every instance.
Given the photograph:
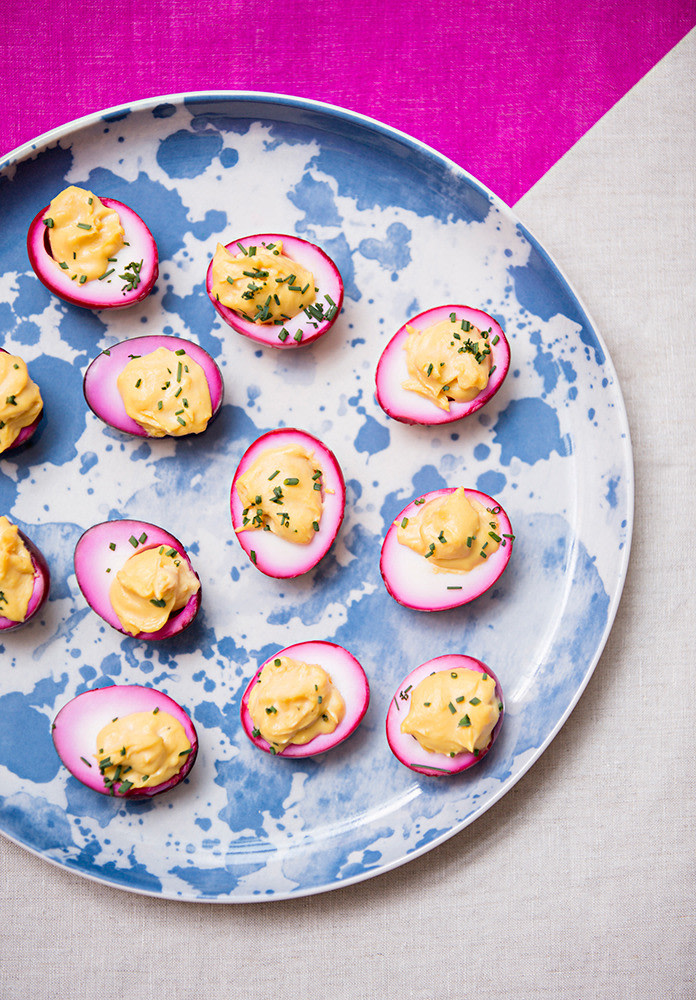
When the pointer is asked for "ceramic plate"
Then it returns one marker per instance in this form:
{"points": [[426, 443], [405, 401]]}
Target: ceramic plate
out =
{"points": [[408, 230]]}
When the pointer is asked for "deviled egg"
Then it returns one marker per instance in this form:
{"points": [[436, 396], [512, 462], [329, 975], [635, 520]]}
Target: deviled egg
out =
{"points": [[91, 251], [445, 549], [21, 405], [126, 740], [287, 502], [278, 290], [24, 577], [445, 715], [138, 578], [442, 365], [305, 699], [154, 386]]}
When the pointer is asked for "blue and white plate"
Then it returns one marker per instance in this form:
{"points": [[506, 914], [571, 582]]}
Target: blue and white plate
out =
{"points": [[408, 230]]}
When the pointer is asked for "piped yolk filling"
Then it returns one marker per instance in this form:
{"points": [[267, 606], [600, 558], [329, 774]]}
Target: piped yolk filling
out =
{"points": [[83, 234], [452, 532], [453, 711], [292, 702], [450, 360], [166, 393], [150, 586], [16, 573], [20, 399], [281, 491], [141, 750], [262, 283]]}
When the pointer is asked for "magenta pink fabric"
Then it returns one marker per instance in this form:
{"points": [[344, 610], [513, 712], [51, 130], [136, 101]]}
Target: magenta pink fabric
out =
{"points": [[503, 88]]}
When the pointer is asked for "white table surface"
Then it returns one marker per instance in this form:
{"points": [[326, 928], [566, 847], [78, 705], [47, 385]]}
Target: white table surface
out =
{"points": [[580, 882]]}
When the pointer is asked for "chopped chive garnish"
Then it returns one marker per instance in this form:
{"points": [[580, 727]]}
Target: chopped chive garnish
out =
{"points": [[292, 481], [315, 525], [475, 701], [106, 273], [298, 336], [404, 522], [64, 265], [155, 711], [283, 335], [181, 421], [464, 722], [134, 541], [83, 278], [48, 223], [253, 556], [454, 588], [83, 225], [158, 602], [160, 404], [143, 538], [452, 708], [273, 475]]}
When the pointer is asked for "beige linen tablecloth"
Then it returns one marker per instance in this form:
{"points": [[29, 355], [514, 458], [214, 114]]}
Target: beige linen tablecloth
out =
{"points": [[580, 882]]}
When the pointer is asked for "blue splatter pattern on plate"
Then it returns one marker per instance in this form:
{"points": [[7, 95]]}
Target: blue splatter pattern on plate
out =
{"points": [[408, 230]]}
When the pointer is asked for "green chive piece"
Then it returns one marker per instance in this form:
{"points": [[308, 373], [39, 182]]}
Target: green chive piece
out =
{"points": [[83, 278], [475, 701], [452, 708], [464, 722], [404, 522], [83, 225], [48, 223], [292, 481], [134, 541]]}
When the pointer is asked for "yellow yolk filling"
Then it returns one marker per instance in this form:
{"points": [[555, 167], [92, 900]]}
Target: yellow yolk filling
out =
{"points": [[453, 711], [149, 587], [83, 233], [265, 286], [16, 573], [20, 399], [451, 532], [282, 492], [447, 361], [166, 393], [292, 702], [143, 749]]}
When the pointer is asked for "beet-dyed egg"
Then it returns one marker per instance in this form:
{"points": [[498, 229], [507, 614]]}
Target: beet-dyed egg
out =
{"points": [[347, 676], [310, 323], [101, 389], [406, 747], [128, 279], [39, 594], [78, 724], [413, 581], [26, 432], [410, 407], [101, 552], [276, 556]]}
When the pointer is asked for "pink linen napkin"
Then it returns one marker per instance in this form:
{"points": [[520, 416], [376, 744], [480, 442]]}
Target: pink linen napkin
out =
{"points": [[502, 88]]}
